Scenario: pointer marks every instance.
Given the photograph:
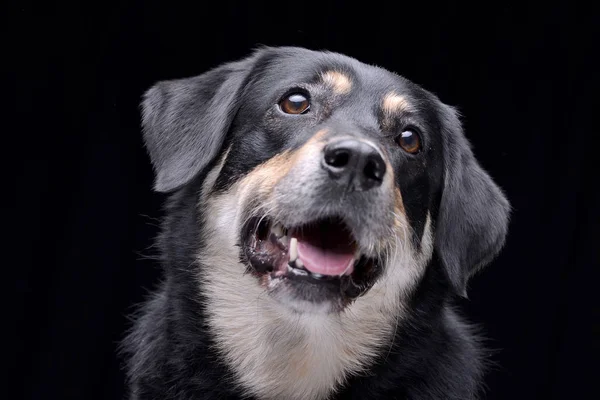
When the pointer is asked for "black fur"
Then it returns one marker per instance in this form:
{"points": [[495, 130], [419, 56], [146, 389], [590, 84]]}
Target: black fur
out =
{"points": [[188, 123]]}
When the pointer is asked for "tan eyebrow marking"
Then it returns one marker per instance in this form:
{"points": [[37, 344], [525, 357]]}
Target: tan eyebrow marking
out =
{"points": [[339, 82], [394, 103]]}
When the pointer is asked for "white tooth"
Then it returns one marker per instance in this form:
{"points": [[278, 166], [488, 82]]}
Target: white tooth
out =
{"points": [[293, 249], [299, 263], [277, 229], [318, 276], [299, 271]]}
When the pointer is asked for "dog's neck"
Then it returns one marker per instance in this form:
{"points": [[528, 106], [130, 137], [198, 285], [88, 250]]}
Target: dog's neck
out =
{"points": [[277, 353]]}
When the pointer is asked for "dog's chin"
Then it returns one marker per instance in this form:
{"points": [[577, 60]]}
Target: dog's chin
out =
{"points": [[317, 267]]}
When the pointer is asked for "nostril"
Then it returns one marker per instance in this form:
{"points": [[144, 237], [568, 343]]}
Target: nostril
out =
{"points": [[338, 158], [374, 169]]}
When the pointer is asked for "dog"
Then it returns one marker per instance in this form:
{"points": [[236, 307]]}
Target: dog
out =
{"points": [[323, 217]]}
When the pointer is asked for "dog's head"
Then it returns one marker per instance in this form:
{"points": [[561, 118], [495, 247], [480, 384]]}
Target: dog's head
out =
{"points": [[324, 175]]}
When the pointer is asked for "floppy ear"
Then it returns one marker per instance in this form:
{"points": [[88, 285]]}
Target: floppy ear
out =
{"points": [[473, 216], [185, 121]]}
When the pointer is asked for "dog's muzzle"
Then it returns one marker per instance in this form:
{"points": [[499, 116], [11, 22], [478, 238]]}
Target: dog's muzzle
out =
{"points": [[323, 225]]}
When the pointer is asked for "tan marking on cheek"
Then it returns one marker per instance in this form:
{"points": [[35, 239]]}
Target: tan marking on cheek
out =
{"points": [[317, 136], [398, 202], [340, 83], [394, 103], [388, 178], [266, 176]]}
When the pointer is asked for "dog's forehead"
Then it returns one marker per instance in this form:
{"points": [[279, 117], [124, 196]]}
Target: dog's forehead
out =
{"points": [[340, 74]]}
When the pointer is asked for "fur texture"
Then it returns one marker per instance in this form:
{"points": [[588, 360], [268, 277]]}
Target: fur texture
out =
{"points": [[218, 327]]}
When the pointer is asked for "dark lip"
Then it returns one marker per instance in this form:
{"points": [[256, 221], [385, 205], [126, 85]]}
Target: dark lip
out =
{"points": [[348, 287]]}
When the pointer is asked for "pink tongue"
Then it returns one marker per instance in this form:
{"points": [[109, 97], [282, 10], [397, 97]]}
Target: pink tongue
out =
{"points": [[325, 261]]}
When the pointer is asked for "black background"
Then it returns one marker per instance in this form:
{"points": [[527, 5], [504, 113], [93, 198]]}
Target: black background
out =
{"points": [[81, 214]]}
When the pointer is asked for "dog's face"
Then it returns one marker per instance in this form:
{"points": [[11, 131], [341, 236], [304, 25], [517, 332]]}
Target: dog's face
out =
{"points": [[324, 176]]}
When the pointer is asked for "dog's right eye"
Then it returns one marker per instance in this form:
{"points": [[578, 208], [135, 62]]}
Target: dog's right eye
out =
{"points": [[295, 103]]}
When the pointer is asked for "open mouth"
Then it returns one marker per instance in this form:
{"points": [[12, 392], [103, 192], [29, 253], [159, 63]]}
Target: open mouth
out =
{"points": [[317, 255]]}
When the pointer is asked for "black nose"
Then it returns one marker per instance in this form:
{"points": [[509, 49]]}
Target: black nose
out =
{"points": [[354, 163]]}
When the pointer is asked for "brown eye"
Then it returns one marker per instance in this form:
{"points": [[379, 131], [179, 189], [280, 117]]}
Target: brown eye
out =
{"points": [[410, 141], [295, 103]]}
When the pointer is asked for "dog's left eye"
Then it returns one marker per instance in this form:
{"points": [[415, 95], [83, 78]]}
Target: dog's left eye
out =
{"points": [[410, 141], [295, 103]]}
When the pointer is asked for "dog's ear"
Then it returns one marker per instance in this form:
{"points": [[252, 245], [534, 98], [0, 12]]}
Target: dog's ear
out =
{"points": [[185, 121], [473, 216]]}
